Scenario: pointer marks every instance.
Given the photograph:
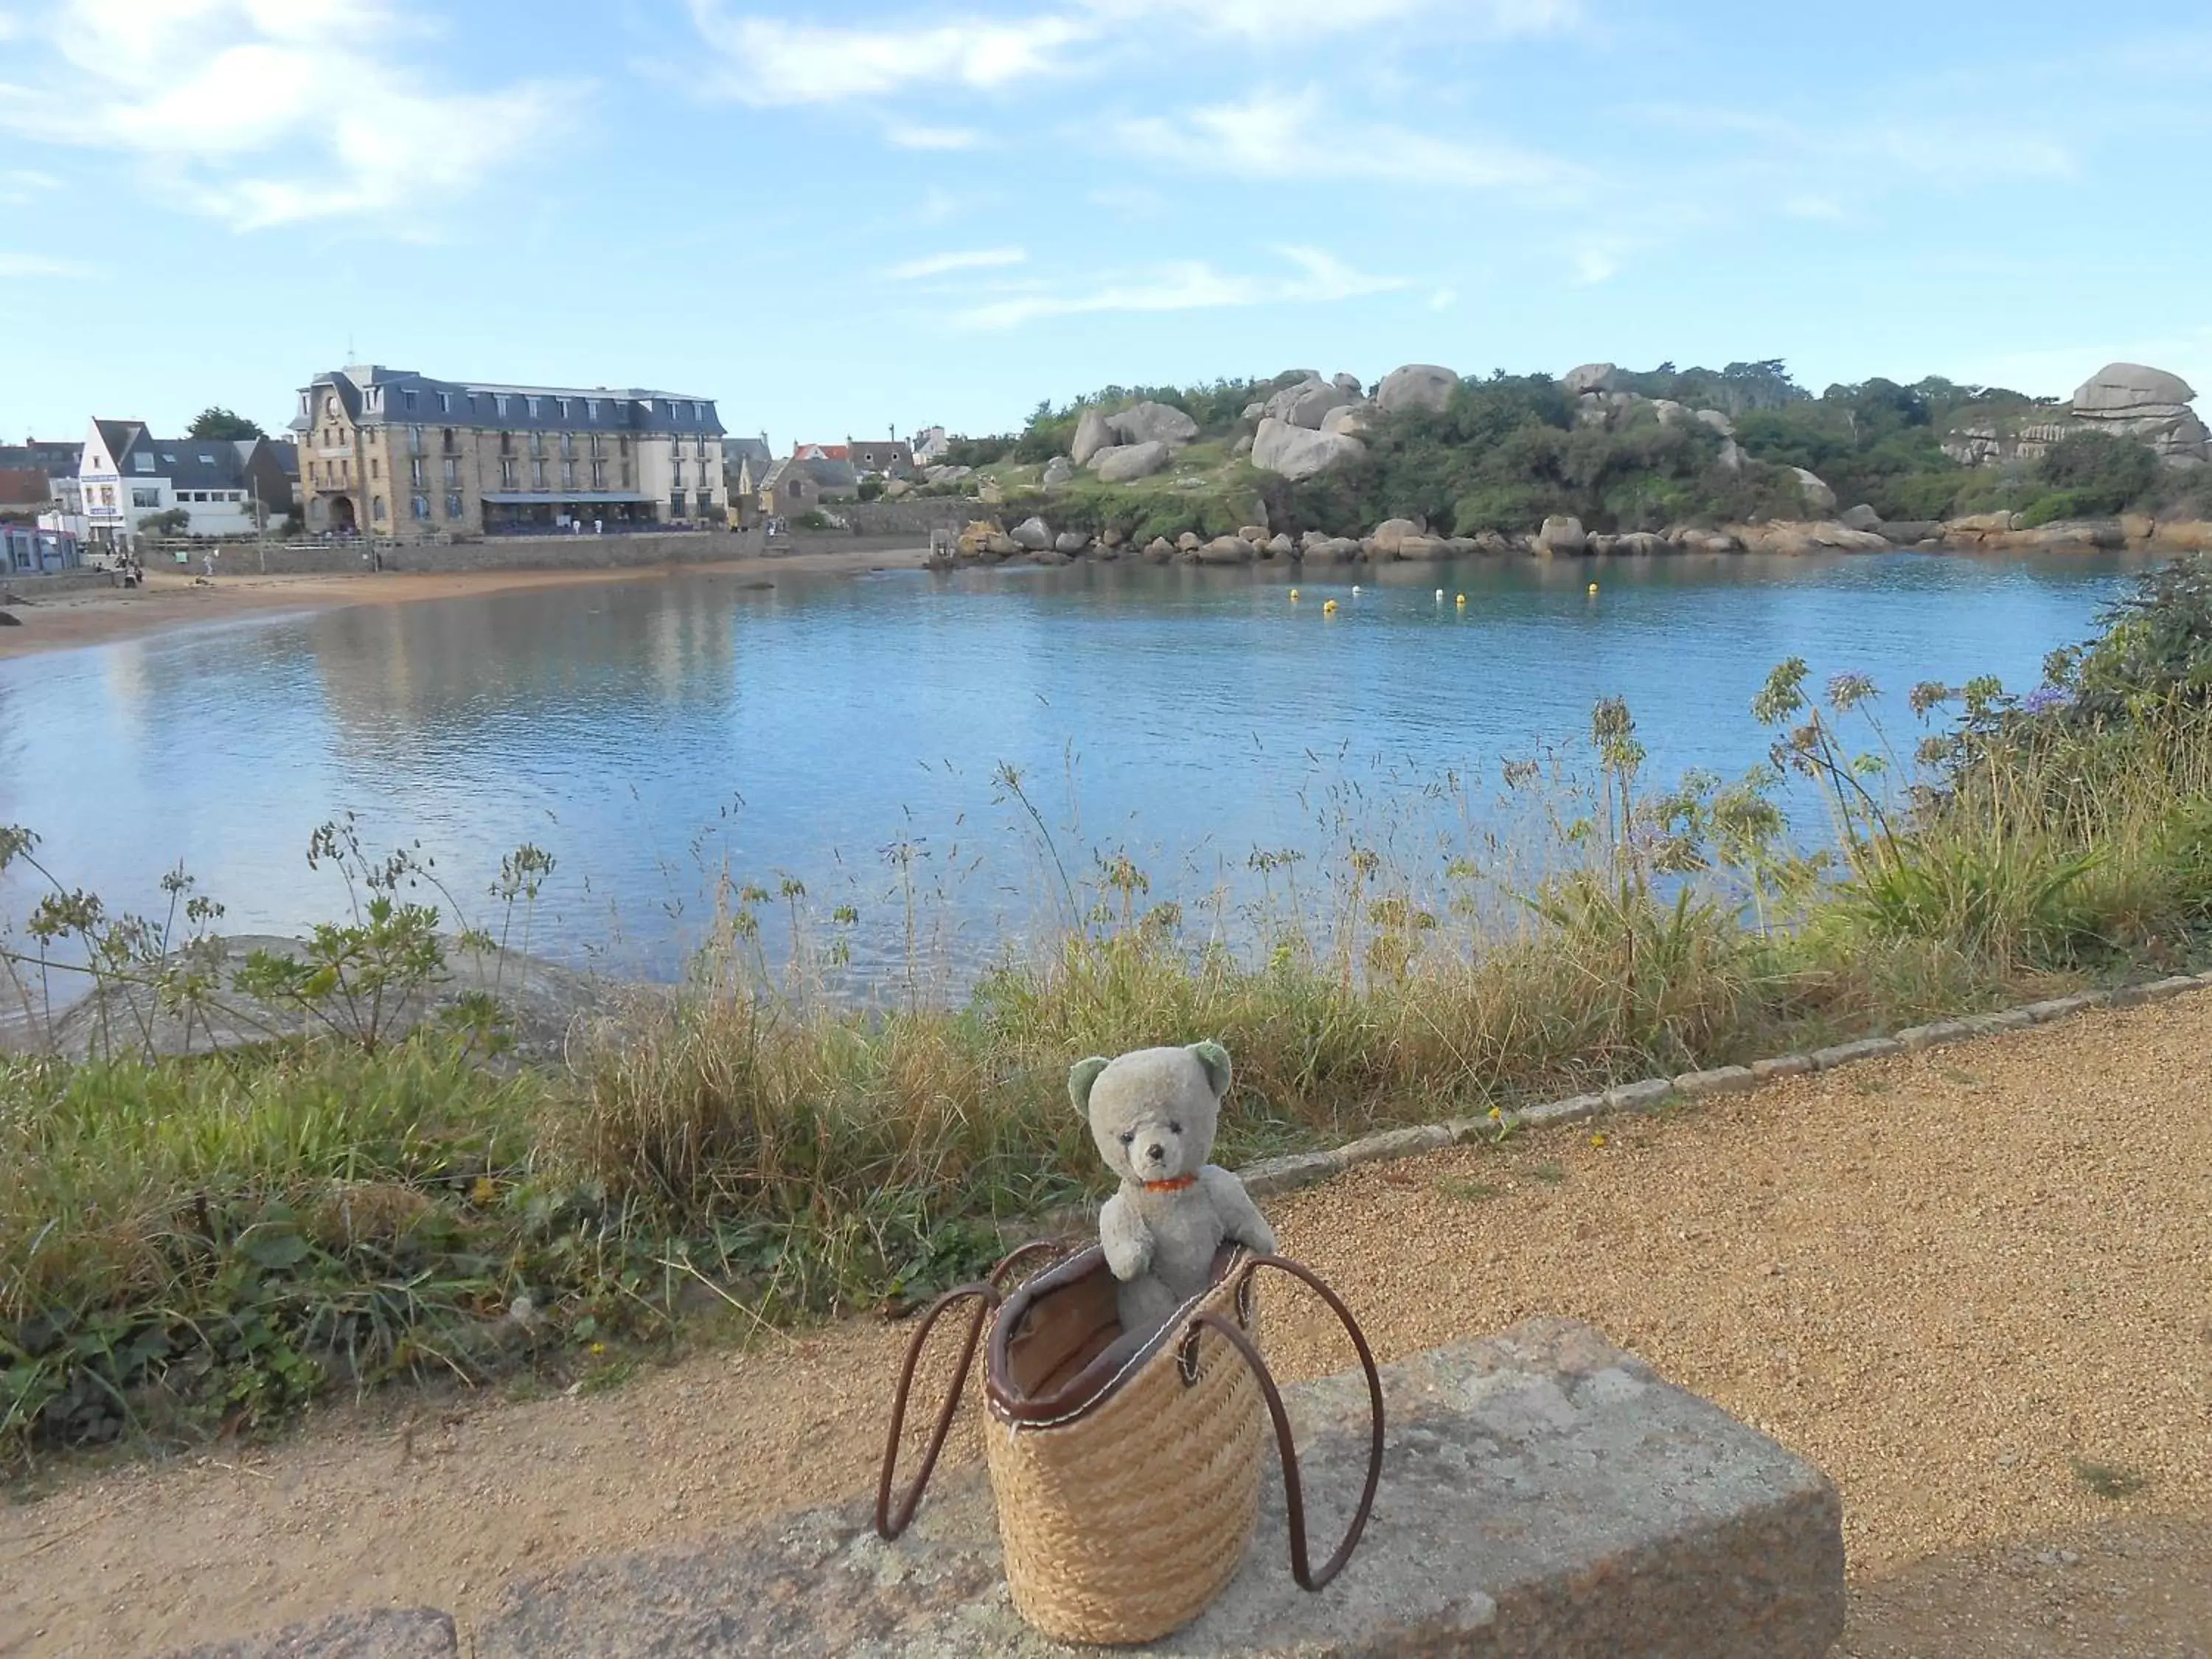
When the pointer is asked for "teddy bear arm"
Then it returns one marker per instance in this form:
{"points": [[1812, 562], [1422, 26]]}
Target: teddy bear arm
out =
{"points": [[1126, 1239], [1241, 1220]]}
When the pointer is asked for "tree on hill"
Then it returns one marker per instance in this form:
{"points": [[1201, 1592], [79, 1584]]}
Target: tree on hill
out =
{"points": [[223, 424]]}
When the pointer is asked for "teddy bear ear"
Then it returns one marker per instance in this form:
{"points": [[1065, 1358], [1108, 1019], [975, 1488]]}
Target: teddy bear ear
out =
{"points": [[1080, 1079], [1215, 1059]]}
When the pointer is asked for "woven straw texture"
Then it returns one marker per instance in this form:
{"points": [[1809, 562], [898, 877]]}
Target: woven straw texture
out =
{"points": [[1125, 1523]]}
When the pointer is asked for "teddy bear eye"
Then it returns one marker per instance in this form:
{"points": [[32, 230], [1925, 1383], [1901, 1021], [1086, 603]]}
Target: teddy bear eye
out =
{"points": [[1129, 1137]]}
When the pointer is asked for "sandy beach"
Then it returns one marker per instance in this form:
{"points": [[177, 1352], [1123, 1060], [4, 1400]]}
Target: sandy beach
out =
{"points": [[98, 615]]}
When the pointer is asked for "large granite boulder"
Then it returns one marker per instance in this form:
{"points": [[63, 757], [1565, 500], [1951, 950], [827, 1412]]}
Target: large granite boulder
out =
{"points": [[1126, 462], [1228, 550], [2129, 400], [1591, 377], [1390, 532], [1060, 469], [1862, 517], [1543, 1493], [1070, 542], [1561, 535], [1297, 453], [1818, 495], [1349, 420], [1153, 423], [1718, 422], [1032, 535], [1417, 386], [1091, 435]]}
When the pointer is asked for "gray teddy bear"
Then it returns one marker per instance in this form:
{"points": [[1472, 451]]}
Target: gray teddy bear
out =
{"points": [[1152, 1114]]}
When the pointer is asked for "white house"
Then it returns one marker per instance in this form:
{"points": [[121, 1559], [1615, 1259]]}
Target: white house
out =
{"points": [[225, 487]]}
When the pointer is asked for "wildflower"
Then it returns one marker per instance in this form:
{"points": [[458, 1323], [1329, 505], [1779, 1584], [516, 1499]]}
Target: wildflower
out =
{"points": [[597, 1348], [1597, 1141], [485, 1193], [1496, 1114]]}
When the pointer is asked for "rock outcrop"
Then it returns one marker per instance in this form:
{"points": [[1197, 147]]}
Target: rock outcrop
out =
{"points": [[1591, 377], [1032, 535], [1561, 535], [1058, 471], [1091, 435], [2148, 404], [1416, 385], [1126, 462], [1149, 424], [1296, 453], [1818, 495]]}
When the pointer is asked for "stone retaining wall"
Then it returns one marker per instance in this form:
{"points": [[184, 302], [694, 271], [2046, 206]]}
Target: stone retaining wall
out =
{"points": [[499, 553]]}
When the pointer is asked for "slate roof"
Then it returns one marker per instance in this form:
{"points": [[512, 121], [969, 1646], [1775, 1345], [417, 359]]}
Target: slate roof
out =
{"points": [[374, 395]]}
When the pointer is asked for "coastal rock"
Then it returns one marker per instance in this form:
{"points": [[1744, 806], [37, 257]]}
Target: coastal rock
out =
{"points": [[1640, 544], [1002, 547], [1349, 420], [1158, 551], [1718, 422], [1049, 555], [1416, 385], [1296, 453], [1153, 423], [1227, 550], [1032, 535], [1561, 535], [1254, 533], [1350, 383], [1332, 549], [898, 490], [1188, 542], [1070, 541], [1391, 531], [2148, 404], [1282, 547], [1058, 471], [1126, 462], [1091, 435], [1818, 495], [1591, 377], [1732, 456], [1862, 517], [1424, 549], [1710, 541], [1494, 543]]}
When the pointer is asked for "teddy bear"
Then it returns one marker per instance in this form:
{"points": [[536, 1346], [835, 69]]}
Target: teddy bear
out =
{"points": [[1152, 1114]]}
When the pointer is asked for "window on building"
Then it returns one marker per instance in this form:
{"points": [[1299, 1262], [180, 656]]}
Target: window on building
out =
{"points": [[499, 404], [534, 402], [415, 472], [568, 474], [676, 505], [143, 463], [537, 443], [445, 403], [375, 508], [695, 413], [561, 403], [625, 474], [453, 507], [375, 467], [407, 399], [449, 440], [702, 446], [679, 475], [537, 475], [145, 498], [453, 471], [622, 446], [598, 475], [414, 441], [506, 475], [590, 409], [567, 443], [421, 506]]}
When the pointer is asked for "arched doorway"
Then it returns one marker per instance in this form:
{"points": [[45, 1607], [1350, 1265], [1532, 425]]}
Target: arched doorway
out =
{"points": [[341, 514]]}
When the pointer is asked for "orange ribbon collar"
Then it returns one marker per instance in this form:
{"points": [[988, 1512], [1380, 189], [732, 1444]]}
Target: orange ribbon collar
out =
{"points": [[1180, 1184]]}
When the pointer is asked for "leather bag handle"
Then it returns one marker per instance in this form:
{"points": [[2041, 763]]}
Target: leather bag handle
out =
{"points": [[987, 1292], [1293, 1492]]}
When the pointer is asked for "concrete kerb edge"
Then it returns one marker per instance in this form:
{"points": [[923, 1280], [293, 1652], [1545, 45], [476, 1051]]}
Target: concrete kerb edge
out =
{"points": [[1297, 1170]]}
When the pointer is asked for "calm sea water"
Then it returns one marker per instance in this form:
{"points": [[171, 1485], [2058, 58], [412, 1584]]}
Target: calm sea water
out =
{"points": [[847, 732]]}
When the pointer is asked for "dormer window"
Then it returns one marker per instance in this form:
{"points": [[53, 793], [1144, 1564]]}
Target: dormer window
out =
{"points": [[143, 461]]}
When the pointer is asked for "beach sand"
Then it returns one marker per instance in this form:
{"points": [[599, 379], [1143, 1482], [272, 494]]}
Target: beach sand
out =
{"points": [[98, 615]]}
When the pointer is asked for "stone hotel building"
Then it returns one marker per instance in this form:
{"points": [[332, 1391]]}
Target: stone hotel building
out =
{"points": [[388, 452]]}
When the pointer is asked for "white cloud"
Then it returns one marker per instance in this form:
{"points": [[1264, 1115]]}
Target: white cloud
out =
{"points": [[908, 136], [1279, 19], [771, 62], [20, 185], [1806, 206], [1195, 285], [939, 264], [1292, 137], [38, 265], [268, 112], [1443, 299]]}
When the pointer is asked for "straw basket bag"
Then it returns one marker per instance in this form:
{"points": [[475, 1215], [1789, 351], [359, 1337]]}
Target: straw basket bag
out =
{"points": [[1125, 1469]]}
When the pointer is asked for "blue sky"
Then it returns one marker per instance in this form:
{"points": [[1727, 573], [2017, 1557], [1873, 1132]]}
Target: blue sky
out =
{"points": [[843, 221]]}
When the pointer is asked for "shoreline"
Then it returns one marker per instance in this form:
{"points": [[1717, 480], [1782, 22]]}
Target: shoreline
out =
{"points": [[105, 615]]}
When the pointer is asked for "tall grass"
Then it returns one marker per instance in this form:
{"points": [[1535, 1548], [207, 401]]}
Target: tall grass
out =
{"points": [[188, 1243]]}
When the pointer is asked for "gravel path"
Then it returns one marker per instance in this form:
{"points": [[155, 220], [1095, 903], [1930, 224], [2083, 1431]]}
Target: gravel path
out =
{"points": [[1974, 1285]]}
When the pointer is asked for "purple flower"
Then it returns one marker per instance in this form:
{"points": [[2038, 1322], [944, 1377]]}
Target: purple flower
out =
{"points": [[2046, 699]]}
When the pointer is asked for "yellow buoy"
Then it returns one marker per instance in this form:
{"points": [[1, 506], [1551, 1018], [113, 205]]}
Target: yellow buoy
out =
{"points": [[1462, 601], [1593, 592], [1294, 596], [1328, 608]]}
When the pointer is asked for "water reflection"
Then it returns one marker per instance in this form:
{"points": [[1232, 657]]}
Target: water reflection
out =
{"points": [[655, 734]]}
